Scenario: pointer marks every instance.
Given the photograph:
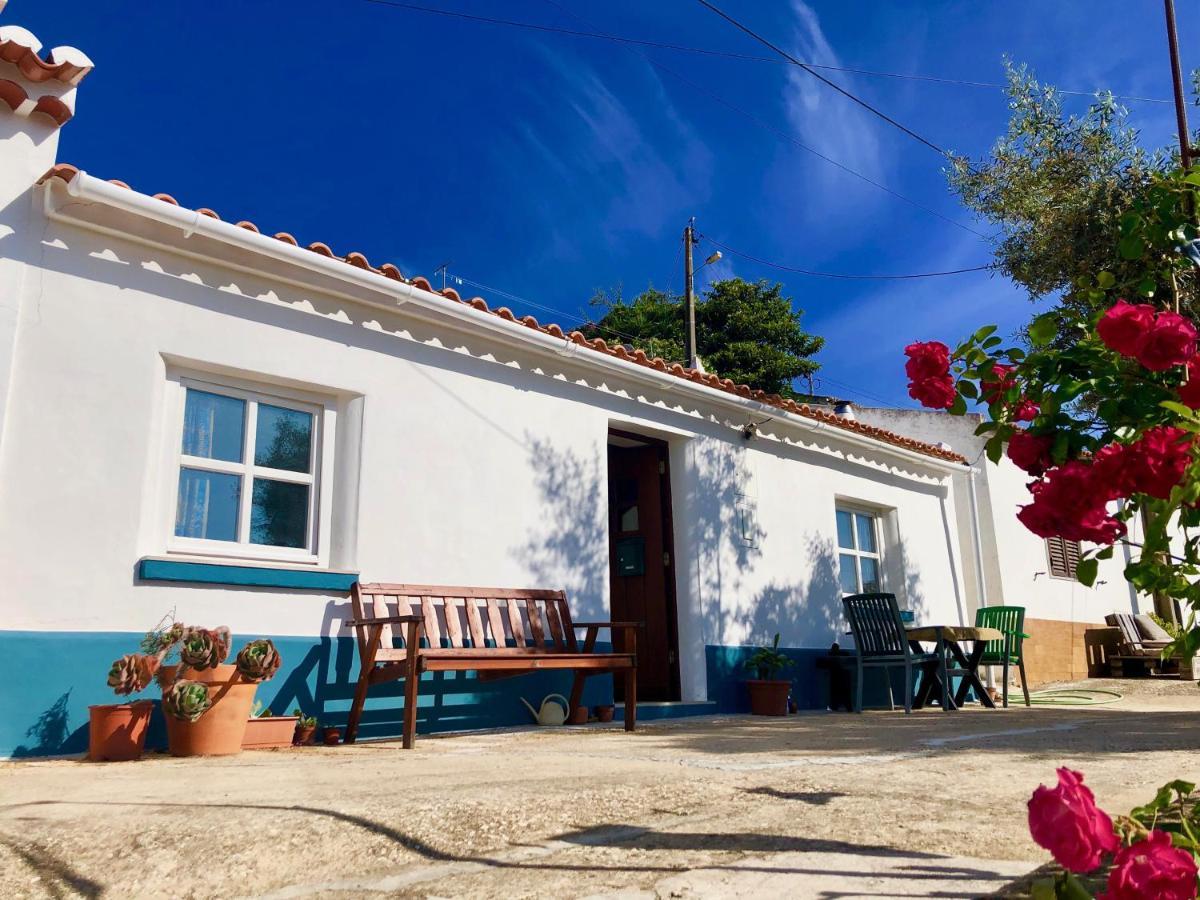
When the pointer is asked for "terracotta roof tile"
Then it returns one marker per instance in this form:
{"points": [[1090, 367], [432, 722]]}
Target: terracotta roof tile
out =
{"points": [[66, 172], [20, 102], [21, 48]]}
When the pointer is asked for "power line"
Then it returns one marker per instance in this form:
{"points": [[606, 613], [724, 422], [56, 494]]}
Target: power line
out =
{"points": [[728, 54], [817, 75], [846, 276]]}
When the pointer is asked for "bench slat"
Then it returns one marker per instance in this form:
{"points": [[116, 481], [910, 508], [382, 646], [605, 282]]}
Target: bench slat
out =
{"points": [[441, 590], [473, 622], [381, 609], [451, 610], [556, 629], [535, 622], [514, 621], [432, 630], [496, 622]]}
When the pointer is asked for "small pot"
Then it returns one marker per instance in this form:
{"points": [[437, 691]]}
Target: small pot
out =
{"points": [[579, 715], [769, 698], [220, 730], [305, 734], [605, 713], [331, 736], [117, 731], [269, 732]]}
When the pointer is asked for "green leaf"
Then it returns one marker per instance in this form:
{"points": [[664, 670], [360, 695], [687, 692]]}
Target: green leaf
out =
{"points": [[1106, 280], [984, 428], [1106, 553], [983, 333], [1186, 411], [1043, 889], [1087, 570], [1071, 888], [960, 406], [995, 449], [1131, 247], [968, 389], [1043, 329]]}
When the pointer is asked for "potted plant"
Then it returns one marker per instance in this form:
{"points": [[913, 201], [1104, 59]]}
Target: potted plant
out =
{"points": [[330, 735], [206, 702], [267, 731], [768, 696], [117, 731], [306, 728]]}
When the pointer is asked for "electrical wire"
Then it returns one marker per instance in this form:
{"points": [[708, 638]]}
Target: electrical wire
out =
{"points": [[728, 54], [845, 276], [815, 74]]}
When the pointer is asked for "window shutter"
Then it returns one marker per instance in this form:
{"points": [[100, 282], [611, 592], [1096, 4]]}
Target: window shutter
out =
{"points": [[1064, 557]]}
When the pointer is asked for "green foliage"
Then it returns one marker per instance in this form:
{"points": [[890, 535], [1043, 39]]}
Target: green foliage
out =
{"points": [[746, 331], [303, 721], [767, 661], [1061, 189]]}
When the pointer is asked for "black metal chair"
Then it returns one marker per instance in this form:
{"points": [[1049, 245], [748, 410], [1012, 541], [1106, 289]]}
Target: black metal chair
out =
{"points": [[881, 641]]}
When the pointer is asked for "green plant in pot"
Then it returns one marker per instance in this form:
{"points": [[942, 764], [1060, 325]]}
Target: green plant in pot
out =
{"points": [[205, 701], [768, 694], [306, 727]]}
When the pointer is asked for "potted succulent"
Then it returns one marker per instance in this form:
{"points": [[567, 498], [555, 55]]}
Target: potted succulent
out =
{"points": [[306, 728], [117, 731], [768, 695], [206, 702], [267, 731], [330, 735]]}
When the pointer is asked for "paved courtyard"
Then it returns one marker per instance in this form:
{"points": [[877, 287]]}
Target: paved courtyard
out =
{"points": [[818, 805]]}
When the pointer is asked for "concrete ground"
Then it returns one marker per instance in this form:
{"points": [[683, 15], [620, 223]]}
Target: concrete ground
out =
{"points": [[817, 805]]}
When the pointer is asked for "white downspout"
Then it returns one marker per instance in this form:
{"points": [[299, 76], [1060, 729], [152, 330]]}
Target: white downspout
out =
{"points": [[977, 546]]}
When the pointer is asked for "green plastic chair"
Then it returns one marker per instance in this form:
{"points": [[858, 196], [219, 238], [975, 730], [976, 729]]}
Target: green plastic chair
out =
{"points": [[1007, 652]]}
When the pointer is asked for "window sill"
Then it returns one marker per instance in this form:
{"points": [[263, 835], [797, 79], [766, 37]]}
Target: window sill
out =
{"points": [[275, 576]]}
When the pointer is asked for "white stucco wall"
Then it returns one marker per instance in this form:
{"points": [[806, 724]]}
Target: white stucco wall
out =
{"points": [[1016, 570]]}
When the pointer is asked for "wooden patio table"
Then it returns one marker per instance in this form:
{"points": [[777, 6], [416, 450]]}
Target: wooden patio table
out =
{"points": [[950, 640]]}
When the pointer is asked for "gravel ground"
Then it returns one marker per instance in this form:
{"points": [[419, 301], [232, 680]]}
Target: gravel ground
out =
{"points": [[881, 804]]}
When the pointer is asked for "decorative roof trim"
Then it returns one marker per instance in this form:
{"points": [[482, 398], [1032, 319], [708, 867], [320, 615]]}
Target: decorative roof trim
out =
{"points": [[18, 100], [66, 173], [66, 64]]}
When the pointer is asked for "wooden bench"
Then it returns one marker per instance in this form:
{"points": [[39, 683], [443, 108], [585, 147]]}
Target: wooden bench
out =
{"points": [[406, 629]]}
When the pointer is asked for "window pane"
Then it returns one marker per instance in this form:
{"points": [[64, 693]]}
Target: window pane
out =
{"points": [[845, 528], [870, 574], [848, 575], [866, 532], [283, 438], [279, 514], [213, 426], [208, 505]]}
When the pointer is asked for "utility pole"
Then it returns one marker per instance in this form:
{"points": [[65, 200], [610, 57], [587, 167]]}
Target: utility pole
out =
{"points": [[1185, 150], [689, 338]]}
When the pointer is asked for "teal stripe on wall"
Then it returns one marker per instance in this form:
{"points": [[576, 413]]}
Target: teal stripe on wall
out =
{"points": [[256, 576]]}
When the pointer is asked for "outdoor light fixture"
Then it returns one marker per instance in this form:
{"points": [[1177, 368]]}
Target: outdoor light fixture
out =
{"points": [[716, 257]]}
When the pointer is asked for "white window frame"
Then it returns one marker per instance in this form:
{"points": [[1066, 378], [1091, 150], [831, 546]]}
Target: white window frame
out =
{"points": [[323, 411], [876, 517]]}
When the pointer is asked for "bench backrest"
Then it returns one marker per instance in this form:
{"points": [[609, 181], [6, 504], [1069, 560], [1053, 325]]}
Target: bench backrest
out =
{"points": [[876, 624], [1130, 636], [455, 616]]}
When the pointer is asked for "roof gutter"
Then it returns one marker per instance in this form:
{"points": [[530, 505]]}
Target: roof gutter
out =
{"points": [[90, 189]]}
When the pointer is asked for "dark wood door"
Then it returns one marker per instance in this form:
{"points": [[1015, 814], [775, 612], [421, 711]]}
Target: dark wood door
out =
{"points": [[640, 565]]}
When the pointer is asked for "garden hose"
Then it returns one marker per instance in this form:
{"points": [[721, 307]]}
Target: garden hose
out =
{"points": [[1074, 697]]}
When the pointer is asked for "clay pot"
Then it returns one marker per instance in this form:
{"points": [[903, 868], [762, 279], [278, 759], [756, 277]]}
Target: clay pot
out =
{"points": [[117, 731], [220, 730], [269, 732], [605, 713], [331, 736], [769, 698], [304, 735], [579, 716]]}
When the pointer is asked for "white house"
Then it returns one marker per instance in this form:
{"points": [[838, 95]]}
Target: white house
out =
{"points": [[201, 415]]}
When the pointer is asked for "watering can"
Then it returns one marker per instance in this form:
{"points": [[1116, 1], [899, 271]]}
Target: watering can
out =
{"points": [[551, 712]]}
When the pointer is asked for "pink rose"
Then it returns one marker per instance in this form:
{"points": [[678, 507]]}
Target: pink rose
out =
{"points": [[1158, 460], [1189, 393], [927, 359], [1026, 410], [1152, 868], [936, 393], [1066, 821], [1171, 341], [1124, 325], [1002, 379], [1070, 502], [1030, 453]]}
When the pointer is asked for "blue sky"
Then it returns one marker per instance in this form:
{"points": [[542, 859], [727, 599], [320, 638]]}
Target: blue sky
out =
{"points": [[549, 166]]}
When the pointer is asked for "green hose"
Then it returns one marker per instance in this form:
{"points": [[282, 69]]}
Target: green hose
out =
{"points": [[1074, 697]]}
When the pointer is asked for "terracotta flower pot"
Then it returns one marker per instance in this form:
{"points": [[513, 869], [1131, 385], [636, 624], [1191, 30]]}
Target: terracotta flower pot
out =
{"points": [[220, 730], [579, 716], [769, 698], [117, 731], [304, 735], [269, 732], [331, 736], [605, 713]]}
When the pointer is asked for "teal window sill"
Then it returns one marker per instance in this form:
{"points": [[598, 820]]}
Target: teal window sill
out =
{"points": [[190, 571]]}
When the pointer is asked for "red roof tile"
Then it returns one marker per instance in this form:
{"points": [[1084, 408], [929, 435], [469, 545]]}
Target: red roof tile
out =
{"points": [[21, 48], [66, 172], [18, 100]]}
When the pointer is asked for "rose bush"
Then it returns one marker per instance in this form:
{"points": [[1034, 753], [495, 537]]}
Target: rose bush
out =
{"points": [[1152, 868], [1066, 821]]}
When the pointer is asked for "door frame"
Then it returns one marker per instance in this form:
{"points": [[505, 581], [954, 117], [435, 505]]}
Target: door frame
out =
{"points": [[668, 526]]}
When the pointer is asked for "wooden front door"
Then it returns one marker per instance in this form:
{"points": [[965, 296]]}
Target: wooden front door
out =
{"points": [[640, 566]]}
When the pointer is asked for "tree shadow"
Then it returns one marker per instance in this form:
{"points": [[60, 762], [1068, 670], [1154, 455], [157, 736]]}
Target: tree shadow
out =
{"points": [[51, 733], [54, 875], [812, 798]]}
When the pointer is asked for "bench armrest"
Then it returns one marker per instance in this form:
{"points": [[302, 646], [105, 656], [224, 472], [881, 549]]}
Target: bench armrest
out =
{"points": [[384, 620], [608, 624]]}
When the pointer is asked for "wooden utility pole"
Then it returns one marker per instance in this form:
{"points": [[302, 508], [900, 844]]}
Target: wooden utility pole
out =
{"points": [[1185, 150], [689, 338]]}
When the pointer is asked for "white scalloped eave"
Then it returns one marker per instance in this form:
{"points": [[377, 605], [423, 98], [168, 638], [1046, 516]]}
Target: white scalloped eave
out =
{"points": [[20, 47]]}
